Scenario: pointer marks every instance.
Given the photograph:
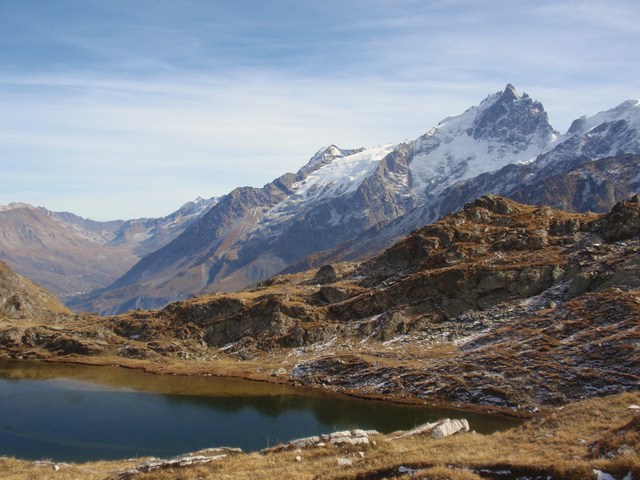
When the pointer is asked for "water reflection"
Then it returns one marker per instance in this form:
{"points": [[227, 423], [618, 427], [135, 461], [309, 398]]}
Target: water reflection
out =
{"points": [[78, 413]]}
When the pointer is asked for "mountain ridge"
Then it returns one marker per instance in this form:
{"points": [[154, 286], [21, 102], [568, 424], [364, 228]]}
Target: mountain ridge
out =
{"points": [[503, 145]]}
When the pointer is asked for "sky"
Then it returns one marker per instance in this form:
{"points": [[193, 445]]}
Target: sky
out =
{"points": [[118, 109]]}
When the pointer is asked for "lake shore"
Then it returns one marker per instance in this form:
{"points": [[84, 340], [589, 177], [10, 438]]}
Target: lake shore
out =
{"points": [[267, 370], [569, 443]]}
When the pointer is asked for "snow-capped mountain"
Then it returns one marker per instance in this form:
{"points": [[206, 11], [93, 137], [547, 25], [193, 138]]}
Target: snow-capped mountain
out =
{"points": [[505, 128], [591, 167], [357, 201]]}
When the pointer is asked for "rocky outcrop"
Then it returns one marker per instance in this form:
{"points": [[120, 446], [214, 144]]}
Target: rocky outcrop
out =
{"points": [[345, 438], [623, 222], [201, 457], [438, 430], [19, 298], [515, 355], [348, 438], [326, 274]]}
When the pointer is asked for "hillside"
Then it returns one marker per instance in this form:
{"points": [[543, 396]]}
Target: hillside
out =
{"points": [[21, 299], [69, 254], [500, 304]]}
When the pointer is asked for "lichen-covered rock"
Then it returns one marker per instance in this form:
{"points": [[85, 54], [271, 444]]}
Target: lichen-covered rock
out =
{"points": [[623, 221], [197, 458]]}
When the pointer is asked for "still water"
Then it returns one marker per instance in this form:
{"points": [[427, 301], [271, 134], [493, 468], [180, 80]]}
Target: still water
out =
{"points": [[80, 413]]}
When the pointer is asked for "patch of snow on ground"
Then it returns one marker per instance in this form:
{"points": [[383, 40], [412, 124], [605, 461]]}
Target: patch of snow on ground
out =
{"points": [[603, 475]]}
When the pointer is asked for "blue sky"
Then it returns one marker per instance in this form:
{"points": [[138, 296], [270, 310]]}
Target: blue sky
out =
{"points": [[122, 109]]}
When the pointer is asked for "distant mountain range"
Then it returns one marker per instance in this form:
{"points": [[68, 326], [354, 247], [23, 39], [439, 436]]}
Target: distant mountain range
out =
{"points": [[70, 255], [351, 204]]}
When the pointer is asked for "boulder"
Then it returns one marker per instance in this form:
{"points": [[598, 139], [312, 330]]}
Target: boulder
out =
{"points": [[346, 437], [333, 294], [439, 429], [448, 427], [304, 442], [623, 221], [326, 274]]}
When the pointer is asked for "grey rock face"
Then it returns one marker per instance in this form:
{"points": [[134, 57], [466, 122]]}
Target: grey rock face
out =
{"points": [[513, 119]]}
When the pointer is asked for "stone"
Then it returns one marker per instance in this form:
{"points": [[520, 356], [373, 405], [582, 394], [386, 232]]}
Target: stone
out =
{"points": [[623, 221], [448, 427], [326, 274], [345, 462], [349, 441], [425, 427], [183, 461], [439, 429], [345, 433], [345, 437], [353, 437], [331, 295], [304, 442]]}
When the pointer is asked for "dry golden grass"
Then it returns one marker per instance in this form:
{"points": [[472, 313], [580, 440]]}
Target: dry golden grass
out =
{"points": [[557, 443], [442, 472]]}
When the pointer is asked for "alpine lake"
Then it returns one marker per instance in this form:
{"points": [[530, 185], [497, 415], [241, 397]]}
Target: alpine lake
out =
{"points": [[83, 413]]}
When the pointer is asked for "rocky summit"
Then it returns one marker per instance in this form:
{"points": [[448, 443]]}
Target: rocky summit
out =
{"points": [[500, 304]]}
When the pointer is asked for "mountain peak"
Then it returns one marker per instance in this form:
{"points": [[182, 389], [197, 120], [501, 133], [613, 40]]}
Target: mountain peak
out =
{"points": [[628, 111], [332, 151], [509, 94], [513, 119], [324, 156], [14, 205]]}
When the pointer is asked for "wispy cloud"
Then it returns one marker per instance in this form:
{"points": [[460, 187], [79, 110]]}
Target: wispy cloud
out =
{"points": [[131, 108]]}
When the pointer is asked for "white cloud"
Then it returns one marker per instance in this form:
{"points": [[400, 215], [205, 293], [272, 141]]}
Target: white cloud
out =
{"points": [[197, 111]]}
